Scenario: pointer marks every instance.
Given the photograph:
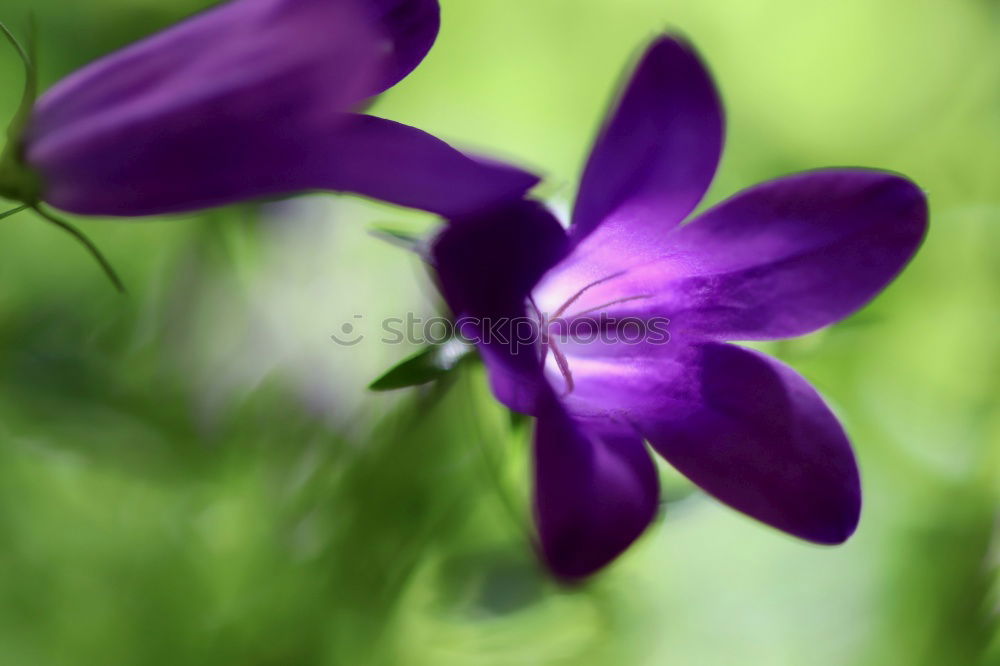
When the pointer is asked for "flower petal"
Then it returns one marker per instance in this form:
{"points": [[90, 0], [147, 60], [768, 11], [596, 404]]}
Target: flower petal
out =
{"points": [[181, 167], [747, 429], [247, 100], [345, 50], [487, 264], [655, 159], [796, 254], [412, 26], [777, 260], [307, 58], [596, 491]]}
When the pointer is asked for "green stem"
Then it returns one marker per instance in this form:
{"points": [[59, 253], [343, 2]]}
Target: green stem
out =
{"points": [[30, 78], [21, 51], [13, 211], [17, 181], [87, 243]]}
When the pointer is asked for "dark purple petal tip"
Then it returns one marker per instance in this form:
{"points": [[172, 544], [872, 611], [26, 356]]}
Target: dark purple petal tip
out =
{"points": [[250, 100], [656, 157], [758, 437], [596, 492], [795, 254], [412, 26]]}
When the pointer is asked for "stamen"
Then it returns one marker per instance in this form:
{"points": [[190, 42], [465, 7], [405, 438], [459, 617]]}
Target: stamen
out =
{"points": [[609, 304], [87, 243], [550, 343], [563, 367], [542, 325], [580, 293], [538, 312]]}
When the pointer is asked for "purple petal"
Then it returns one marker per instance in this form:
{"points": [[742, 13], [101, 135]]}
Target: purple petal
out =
{"points": [[796, 254], [747, 429], [412, 26], [308, 58], [247, 101], [338, 51], [487, 264], [403, 165], [780, 259], [178, 166], [596, 491], [656, 157]]}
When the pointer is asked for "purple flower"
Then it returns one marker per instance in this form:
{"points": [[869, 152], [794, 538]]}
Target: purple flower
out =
{"points": [[779, 259], [250, 99]]}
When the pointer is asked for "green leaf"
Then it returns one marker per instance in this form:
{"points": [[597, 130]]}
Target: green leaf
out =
{"points": [[423, 367]]}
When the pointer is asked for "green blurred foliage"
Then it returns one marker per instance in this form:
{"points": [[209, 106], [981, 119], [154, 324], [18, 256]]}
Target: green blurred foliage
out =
{"points": [[195, 474]]}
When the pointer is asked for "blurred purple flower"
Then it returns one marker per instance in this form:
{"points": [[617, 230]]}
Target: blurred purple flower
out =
{"points": [[780, 259], [250, 99]]}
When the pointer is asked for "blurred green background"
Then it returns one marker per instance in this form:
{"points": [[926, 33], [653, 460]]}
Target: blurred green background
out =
{"points": [[195, 474]]}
